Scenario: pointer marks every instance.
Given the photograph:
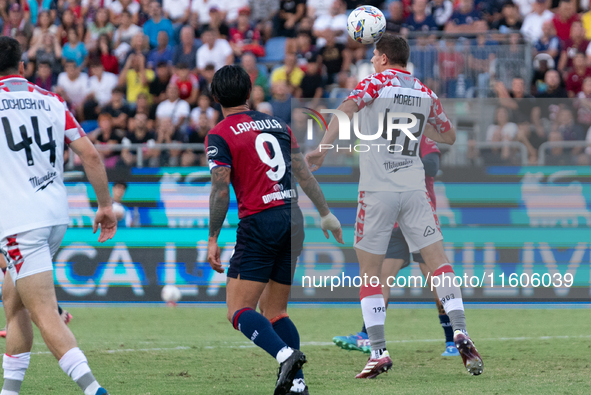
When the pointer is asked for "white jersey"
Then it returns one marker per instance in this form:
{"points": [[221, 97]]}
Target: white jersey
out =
{"points": [[34, 126], [394, 165]]}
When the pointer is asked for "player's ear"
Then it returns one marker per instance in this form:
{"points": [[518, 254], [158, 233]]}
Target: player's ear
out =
{"points": [[21, 69]]}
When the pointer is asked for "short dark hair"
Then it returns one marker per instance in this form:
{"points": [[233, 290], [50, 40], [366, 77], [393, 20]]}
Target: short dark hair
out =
{"points": [[11, 55], [395, 48], [231, 86], [120, 182], [120, 89]]}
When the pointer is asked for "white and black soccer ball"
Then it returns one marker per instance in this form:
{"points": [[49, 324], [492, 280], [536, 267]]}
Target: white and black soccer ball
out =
{"points": [[366, 24], [170, 294]]}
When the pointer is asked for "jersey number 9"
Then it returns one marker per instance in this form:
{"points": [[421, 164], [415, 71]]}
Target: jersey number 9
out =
{"points": [[276, 161]]}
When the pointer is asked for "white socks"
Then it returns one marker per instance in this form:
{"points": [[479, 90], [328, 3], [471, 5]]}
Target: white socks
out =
{"points": [[373, 308], [299, 385], [450, 296], [14, 367], [283, 354], [75, 365]]}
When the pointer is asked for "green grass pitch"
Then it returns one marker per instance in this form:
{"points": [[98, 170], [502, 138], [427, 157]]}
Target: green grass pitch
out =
{"points": [[194, 350]]}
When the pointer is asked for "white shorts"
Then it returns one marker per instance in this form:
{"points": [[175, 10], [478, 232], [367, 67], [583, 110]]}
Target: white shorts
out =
{"points": [[32, 251], [377, 212]]}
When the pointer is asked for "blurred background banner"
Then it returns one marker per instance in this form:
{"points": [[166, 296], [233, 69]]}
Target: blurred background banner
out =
{"points": [[495, 220]]}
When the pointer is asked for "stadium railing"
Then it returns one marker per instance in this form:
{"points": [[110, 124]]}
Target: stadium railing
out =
{"points": [[139, 148], [544, 147], [455, 66], [456, 155]]}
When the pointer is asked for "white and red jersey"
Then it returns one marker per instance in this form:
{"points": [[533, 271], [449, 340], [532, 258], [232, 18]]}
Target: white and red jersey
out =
{"points": [[399, 168], [35, 125]]}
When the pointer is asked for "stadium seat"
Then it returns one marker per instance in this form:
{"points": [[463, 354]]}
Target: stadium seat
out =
{"points": [[339, 93], [89, 126], [274, 50], [263, 69]]}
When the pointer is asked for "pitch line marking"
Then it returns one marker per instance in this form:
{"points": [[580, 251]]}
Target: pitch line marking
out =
{"points": [[323, 344], [125, 350]]}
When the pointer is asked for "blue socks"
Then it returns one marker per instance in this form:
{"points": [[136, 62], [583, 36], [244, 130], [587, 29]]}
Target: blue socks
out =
{"points": [[258, 329], [287, 331], [446, 325]]}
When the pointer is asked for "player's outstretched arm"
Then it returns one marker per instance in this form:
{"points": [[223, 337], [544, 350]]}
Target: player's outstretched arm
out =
{"points": [[315, 158], [312, 189], [95, 171], [219, 201]]}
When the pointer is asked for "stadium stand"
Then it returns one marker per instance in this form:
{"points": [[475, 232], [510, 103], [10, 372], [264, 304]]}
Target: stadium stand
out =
{"points": [[502, 53]]}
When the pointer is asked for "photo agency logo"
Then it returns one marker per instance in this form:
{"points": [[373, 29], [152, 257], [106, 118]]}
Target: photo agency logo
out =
{"points": [[390, 126]]}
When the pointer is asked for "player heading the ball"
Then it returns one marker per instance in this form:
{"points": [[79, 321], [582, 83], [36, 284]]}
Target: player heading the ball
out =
{"points": [[392, 190]]}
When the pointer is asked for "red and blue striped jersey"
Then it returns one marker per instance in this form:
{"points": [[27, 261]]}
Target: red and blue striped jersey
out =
{"points": [[257, 147]]}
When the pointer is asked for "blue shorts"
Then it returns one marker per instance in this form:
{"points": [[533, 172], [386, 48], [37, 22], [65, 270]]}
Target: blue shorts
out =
{"points": [[398, 249], [268, 245]]}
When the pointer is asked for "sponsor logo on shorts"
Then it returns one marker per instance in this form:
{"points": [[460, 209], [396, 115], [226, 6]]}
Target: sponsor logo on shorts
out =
{"points": [[428, 231]]}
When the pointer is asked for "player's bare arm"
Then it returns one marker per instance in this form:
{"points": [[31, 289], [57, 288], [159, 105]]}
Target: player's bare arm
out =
{"points": [[95, 171], [219, 201], [316, 157], [312, 189], [448, 137]]}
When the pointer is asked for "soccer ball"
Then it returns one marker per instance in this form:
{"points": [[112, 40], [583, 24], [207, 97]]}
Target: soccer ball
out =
{"points": [[118, 210], [366, 24], [170, 294]]}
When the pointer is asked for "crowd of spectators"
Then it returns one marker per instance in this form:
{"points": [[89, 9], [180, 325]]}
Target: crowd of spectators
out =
{"points": [[139, 71]]}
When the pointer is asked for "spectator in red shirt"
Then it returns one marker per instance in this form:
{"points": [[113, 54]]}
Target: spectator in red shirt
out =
{"points": [[574, 80], [575, 44], [109, 61], [244, 37], [564, 18], [451, 65], [187, 83]]}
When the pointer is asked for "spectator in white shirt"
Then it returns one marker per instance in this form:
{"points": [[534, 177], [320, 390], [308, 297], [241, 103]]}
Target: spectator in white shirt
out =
{"points": [[202, 7], [318, 8], [216, 51], [72, 84], [125, 33], [173, 108], [232, 7], [178, 11], [117, 7], [335, 20], [101, 84], [204, 107], [532, 24]]}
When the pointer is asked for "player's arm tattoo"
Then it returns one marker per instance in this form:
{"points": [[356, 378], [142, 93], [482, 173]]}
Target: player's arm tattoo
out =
{"points": [[308, 183], [219, 199]]}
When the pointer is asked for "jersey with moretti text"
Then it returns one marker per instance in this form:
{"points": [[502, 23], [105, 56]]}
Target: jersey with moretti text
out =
{"points": [[393, 164], [34, 126], [257, 147]]}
